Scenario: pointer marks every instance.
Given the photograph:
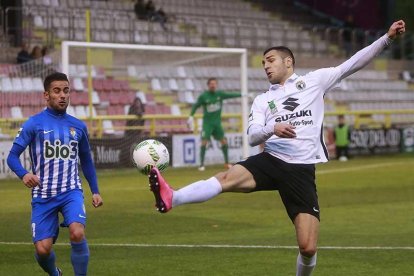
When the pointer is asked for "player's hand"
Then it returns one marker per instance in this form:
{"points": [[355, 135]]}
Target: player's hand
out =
{"points": [[190, 123], [397, 28], [31, 180], [283, 130], [97, 200]]}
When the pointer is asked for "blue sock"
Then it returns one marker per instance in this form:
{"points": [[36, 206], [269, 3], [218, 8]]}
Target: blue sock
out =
{"points": [[80, 257], [48, 263]]}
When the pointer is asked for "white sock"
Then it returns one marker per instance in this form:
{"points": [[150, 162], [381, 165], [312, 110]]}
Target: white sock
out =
{"points": [[197, 192], [305, 265]]}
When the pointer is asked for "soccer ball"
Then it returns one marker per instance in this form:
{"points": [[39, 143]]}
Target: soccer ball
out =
{"points": [[150, 153]]}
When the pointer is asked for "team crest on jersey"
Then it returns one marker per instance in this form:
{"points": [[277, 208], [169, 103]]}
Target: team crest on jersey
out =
{"points": [[272, 106], [301, 85], [72, 132]]}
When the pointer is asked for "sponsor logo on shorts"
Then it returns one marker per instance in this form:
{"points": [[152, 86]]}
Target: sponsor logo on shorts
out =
{"points": [[316, 210]]}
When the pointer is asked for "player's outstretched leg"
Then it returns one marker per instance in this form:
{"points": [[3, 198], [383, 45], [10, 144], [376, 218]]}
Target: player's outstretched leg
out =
{"points": [[162, 191], [166, 197]]}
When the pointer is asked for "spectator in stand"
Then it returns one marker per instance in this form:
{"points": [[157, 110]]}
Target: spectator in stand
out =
{"points": [[23, 56], [150, 9], [45, 54], [36, 52], [161, 17], [342, 136], [140, 10], [137, 108], [347, 34]]}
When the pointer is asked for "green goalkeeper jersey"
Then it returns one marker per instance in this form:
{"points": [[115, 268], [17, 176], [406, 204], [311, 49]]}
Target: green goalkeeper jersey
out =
{"points": [[212, 103]]}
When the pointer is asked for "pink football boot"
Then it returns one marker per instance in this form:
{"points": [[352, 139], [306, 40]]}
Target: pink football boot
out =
{"points": [[162, 191]]}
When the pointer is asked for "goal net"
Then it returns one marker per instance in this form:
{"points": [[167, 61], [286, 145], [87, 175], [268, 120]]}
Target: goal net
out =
{"points": [[108, 78]]}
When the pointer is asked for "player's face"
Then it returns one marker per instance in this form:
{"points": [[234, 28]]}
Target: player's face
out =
{"points": [[57, 97], [212, 85], [277, 68]]}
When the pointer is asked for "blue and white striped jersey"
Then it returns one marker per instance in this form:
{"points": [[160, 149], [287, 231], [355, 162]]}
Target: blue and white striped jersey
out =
{"points": [[55, 142]]}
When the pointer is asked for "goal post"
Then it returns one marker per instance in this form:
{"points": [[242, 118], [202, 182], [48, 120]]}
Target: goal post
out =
{"points": [[159, 57]]}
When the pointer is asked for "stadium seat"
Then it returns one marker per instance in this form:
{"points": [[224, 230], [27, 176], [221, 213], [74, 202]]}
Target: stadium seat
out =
{"points": [[95, 98], [71, 110], [27, 84], [80, 98], [6, 85], [172, 84], [108, 127], [16, 112], [124, 85], [78, 84], [142, 96], [38, 21], [107, 85], [189, 85], [175, 109], [155, 84], [17, 84]]}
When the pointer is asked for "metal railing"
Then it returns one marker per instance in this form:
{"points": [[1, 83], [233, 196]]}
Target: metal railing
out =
{"points": [[232, 122]]}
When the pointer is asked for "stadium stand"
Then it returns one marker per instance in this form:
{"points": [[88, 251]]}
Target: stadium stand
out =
{"points": [[193, 23]]}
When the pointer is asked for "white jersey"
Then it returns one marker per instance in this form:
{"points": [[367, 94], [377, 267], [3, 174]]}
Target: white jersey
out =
{"points": [[300, 102]]}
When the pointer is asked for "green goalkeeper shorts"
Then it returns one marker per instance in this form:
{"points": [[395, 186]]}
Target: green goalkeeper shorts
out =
{"points": [[215, 130]]}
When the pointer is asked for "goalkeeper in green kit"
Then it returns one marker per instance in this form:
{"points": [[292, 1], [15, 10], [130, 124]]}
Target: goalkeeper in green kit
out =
{"points": [[212, 103]]}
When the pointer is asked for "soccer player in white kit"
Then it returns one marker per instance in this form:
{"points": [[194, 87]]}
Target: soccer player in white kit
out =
{"points": [[288, 119]]}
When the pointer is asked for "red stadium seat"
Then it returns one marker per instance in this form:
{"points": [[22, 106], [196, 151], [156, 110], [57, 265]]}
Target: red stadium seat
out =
{"points": [[97, 85], [107, 85]]}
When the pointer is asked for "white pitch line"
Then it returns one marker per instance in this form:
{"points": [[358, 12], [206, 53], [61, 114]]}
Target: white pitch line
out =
{"points": [[361, 167], [226, 246]]}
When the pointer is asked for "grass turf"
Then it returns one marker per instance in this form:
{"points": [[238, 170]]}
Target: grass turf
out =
{"points": [[366, 202]]}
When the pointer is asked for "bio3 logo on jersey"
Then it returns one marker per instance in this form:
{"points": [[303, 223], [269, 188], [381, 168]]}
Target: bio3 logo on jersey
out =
{"points": [[59, 150]]}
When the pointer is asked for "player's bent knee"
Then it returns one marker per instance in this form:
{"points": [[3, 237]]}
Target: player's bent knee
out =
{"points": [[43, 249], [307, 251], [76, 232]]}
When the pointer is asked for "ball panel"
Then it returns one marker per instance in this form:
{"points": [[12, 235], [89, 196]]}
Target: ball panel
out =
{"points": [[150, 153]]}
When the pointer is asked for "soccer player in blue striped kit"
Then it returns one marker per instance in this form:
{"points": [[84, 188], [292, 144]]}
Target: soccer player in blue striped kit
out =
{"points": [[57, 141]]}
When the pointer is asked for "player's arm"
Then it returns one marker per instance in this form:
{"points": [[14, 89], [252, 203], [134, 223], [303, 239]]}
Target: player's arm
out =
{"points": [[22, 140], [196, 105], [258, 131], [229, 95], [88, 169], [13, 161], [361, 58]]}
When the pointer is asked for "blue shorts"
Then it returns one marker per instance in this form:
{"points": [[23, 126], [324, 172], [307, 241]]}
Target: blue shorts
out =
{"points": [[45, 214]]}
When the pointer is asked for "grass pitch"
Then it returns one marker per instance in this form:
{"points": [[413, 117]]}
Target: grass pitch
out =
{"points": [[367, 228]]}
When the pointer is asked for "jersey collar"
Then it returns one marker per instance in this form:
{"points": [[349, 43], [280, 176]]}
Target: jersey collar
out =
{"points": [[54, 112], [292, 78]]}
